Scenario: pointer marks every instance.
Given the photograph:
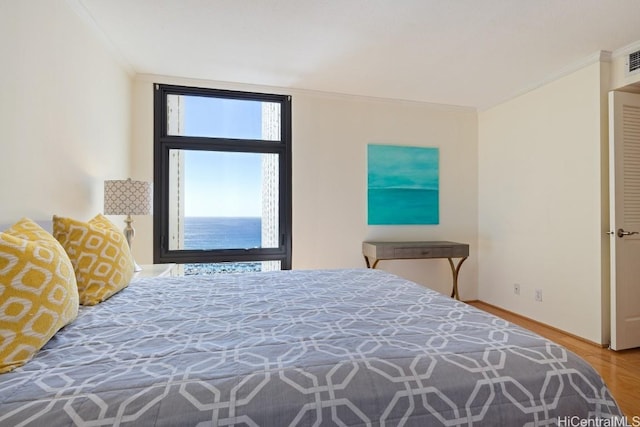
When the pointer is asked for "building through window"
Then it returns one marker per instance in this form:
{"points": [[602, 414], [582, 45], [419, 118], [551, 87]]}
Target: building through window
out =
{"points": [[222, 177]]}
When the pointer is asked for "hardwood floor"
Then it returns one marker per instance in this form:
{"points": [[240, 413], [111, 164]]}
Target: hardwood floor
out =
{"points": [[620, 369]]}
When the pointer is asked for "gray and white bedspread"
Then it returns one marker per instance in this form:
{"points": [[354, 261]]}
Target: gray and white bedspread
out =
{"points": [[338, 347]]}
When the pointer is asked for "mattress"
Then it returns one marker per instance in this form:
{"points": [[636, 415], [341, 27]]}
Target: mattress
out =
{"points": [[320, 347]]}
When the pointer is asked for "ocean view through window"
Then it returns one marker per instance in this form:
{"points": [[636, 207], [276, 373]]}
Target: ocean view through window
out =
{"points": [[222, 232], [223, 169]]}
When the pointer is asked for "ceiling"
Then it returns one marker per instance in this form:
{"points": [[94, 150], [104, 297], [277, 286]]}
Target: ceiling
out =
{"points": [[473, 53]]}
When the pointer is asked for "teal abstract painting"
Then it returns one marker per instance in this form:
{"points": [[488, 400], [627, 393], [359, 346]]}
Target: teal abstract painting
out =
{"points": [[403, 185]]}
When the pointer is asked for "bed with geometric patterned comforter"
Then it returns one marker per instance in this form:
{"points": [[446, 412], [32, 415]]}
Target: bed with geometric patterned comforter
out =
{"points": [[325, 347]]}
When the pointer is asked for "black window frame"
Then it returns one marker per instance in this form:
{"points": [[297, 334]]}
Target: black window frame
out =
{"points": [[163, 143]]}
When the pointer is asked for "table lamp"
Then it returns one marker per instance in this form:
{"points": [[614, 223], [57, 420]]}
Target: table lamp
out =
{"points": [[128, 197]]}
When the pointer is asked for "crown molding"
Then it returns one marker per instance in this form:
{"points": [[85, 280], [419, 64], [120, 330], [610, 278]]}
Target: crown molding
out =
{"points": [[78, 7], [625, 50], [187, 81], [600, 56]]}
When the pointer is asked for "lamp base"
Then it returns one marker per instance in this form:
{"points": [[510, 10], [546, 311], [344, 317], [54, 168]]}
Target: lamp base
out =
{"points": [[129, 233]]}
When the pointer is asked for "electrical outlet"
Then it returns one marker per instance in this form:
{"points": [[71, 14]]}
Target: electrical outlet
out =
{"points": [[539, 295], [516, 288]]}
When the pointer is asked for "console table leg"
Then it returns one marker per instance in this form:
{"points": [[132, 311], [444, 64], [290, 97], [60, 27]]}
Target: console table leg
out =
{"points": [[454, 271], [375, 262]]}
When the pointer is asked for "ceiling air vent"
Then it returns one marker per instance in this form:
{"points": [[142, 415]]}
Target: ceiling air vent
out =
{"points": [[633, 62]]}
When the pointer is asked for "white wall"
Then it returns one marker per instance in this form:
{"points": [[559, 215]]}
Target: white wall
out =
{"points": [[543, 201], [65, 113], [330, 135]]}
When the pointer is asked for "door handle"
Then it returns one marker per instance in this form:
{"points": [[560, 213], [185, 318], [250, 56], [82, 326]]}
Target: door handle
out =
{"points": [[622, 233]]}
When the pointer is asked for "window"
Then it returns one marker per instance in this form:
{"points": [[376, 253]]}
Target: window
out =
{"points": [[222, 179]]}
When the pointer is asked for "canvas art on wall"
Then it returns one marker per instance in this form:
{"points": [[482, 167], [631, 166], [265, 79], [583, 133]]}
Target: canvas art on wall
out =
{"points": [[403, 185]]}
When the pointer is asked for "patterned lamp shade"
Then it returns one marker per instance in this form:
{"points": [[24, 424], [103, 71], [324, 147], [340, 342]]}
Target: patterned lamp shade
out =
{"points": [[127, 197]]}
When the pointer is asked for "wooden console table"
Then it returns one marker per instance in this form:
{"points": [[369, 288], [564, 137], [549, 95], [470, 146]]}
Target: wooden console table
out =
{"points": [[376, 251]]}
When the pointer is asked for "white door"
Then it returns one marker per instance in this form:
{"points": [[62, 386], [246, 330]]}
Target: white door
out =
{"points": [[624, 176]]}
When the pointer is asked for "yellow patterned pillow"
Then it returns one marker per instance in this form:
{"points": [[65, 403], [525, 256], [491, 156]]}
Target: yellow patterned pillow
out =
{"points": [[38, 292], [100, 256]]}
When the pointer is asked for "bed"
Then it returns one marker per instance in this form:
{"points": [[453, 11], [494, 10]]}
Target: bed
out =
{"points": [[319, 347]]}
